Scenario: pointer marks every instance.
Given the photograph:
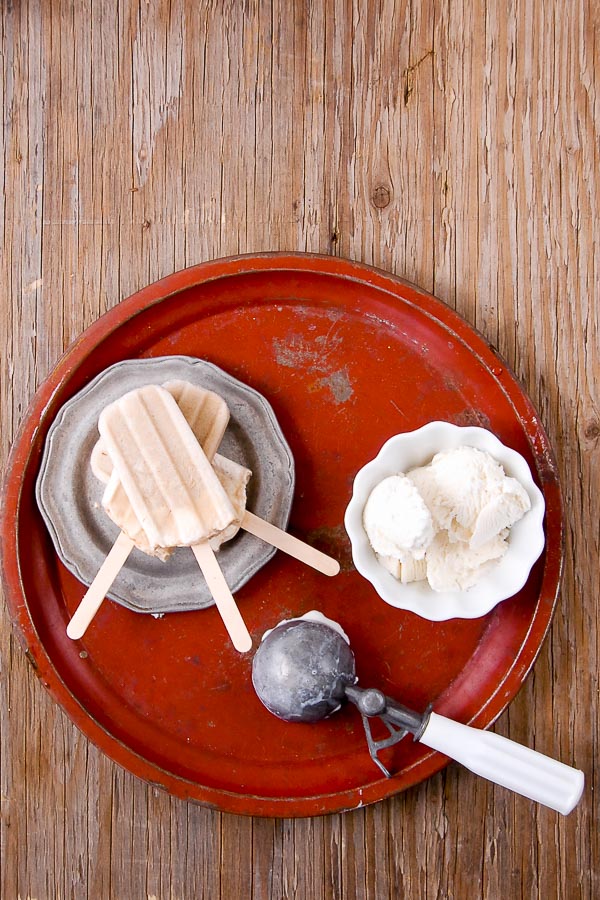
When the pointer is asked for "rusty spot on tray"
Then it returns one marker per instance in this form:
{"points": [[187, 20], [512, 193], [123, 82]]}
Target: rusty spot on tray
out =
{"points": [[315, 357], [472, 417], [295, 352], [339, 385], [194, 660]]}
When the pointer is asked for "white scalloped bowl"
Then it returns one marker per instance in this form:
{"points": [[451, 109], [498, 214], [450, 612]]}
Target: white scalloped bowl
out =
{"points": [[502, 580]]}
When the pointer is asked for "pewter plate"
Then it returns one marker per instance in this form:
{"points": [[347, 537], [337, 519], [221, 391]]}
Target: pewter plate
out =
{"points": [[69, 495]]}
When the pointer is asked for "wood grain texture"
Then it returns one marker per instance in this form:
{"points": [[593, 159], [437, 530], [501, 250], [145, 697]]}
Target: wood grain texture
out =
{"points": [[453, 143]]}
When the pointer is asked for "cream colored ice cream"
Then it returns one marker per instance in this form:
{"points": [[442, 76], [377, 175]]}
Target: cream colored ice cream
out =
{"points": [[406, 571], [472, 505], [397, 520], [100, 462], [170, 483], [469, 494], [456, 566], [234, 479], [206, 413]]}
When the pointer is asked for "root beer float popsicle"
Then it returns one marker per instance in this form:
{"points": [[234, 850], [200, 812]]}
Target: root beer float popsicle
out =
{"points": [[207, 415], [174, 494], [171, 485], [232, 476]]}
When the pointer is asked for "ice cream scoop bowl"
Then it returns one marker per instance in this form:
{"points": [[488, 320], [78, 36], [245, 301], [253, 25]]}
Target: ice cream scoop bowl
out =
{"points": [[304, 670]]}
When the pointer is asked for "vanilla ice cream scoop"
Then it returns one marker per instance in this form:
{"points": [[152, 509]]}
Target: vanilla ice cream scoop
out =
{"points": [[500, 513], [469, 495], [397, 520], [455, 566], [447, 521]]}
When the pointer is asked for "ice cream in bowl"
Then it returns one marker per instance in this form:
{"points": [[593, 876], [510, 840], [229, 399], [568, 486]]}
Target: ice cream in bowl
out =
{"points": [[446, 521]]}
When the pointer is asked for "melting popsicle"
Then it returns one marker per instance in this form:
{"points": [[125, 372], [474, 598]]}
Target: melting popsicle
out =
{"points": [[234, 478], [174, 494], [207, 415], [170, 483]]}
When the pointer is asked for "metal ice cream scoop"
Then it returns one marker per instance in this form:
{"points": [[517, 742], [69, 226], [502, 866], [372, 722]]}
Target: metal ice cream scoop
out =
{"points": [[304, 670]]}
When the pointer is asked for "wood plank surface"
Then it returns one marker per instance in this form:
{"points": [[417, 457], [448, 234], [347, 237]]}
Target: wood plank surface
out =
{"points": [[453, 143]]}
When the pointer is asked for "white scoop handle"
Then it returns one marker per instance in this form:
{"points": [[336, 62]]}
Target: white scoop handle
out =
{"points": [[506, 763]]}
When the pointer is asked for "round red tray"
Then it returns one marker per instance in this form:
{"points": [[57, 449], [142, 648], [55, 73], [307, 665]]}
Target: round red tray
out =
{"points": [[347, 355]]}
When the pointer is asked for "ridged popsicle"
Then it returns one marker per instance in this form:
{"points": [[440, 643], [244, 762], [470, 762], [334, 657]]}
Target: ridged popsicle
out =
{"points": [[171, 485]]}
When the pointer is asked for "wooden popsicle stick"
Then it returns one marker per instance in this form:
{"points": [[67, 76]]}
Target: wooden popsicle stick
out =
{"points": [[95, 594], [232, 619], [289, 544]]}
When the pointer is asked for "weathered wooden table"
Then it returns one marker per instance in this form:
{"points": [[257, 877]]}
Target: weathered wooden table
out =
{"points": [[454, 144]]}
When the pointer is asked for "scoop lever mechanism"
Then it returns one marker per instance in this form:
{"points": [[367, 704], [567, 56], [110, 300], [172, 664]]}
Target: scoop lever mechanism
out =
{"points": [[485, 753], [398, 719]]}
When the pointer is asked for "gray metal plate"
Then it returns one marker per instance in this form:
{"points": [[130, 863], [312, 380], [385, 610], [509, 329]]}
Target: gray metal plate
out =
{"points": [[69, 495]]}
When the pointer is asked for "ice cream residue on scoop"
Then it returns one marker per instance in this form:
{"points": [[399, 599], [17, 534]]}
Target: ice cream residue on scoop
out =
{"points": [[312, 616], [447, 521]]}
